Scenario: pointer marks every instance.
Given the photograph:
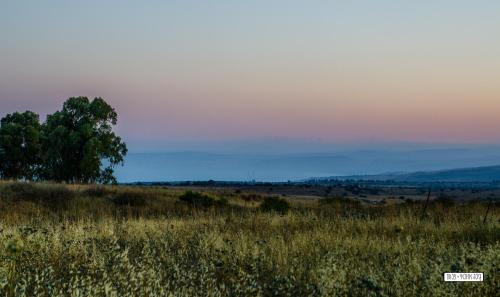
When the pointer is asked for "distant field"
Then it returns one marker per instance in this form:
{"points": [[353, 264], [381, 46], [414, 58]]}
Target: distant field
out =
{"points": [[237, 241]]}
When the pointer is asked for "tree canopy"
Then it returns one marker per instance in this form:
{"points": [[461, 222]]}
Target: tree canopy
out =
{"points": [[19, 145], [75, 145]]}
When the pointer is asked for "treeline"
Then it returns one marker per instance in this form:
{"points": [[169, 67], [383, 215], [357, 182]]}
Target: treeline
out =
{"points": [[74, 145]]}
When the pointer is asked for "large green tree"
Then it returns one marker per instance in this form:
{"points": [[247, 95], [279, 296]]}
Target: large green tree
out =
{"points": [[79, 145], [19, 145]]}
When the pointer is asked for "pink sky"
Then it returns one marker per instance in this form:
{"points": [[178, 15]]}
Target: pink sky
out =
{"points": [[337, 71]]}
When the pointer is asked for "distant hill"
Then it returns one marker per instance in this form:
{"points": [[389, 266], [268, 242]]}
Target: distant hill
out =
{"points": [[475, 174]]}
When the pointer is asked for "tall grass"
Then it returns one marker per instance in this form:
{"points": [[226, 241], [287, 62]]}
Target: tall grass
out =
{"points": [[93, 246]]}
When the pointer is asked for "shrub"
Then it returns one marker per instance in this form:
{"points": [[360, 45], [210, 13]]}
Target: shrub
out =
{"points": [[130, 198], [197, 199], [275, 204], [49, 195]]}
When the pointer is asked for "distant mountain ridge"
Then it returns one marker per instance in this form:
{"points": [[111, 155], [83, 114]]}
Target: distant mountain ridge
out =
{"points": [[483, 174]]}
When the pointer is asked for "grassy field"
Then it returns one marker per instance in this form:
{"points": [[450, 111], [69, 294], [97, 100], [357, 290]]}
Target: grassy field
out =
{"points": [[124, 241]]}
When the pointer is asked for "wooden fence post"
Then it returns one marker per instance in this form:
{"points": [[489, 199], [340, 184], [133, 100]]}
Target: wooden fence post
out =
{"points": [[426, 203], [487, 211]]}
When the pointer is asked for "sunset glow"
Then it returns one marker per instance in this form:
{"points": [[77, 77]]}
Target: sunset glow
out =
{"points": [[335, 70]]}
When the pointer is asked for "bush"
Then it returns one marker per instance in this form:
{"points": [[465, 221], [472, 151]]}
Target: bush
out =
{"points": [[53, 196], [196, 199], [275, 204], [130, 198]]}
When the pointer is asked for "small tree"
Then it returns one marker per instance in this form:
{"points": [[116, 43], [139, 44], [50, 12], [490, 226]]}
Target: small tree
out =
{"points": [[77, 141], [19, 145]]}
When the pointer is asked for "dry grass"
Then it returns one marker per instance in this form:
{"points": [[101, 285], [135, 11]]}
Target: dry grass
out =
{"points": [[92, 246]]}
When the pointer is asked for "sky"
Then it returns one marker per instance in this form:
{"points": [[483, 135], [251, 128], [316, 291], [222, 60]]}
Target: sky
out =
{"points": [[217, 71]]}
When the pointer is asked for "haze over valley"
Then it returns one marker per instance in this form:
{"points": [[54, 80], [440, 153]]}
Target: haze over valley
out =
{"points": [[283, 160]]}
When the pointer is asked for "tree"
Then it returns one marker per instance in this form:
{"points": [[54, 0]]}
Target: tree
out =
{"points": [[19, 145], [79, 144]]}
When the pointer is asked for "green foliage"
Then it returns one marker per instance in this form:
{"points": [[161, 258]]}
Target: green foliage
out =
{"points": [[201, 200], [275, 204], [78, 139], [74, 145], [19, 145]]}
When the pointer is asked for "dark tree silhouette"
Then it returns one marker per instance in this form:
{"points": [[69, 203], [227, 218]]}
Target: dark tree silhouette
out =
{"points": [[79, 145], [19, 145]]}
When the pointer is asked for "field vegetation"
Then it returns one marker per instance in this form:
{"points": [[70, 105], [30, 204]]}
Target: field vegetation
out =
{"points": [[76, 240]]}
